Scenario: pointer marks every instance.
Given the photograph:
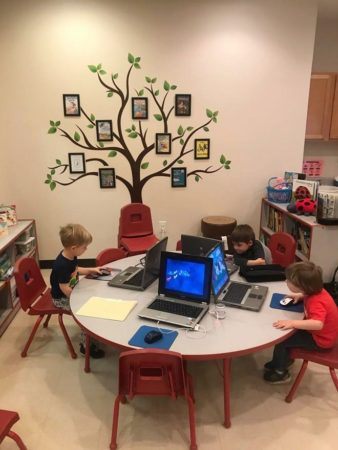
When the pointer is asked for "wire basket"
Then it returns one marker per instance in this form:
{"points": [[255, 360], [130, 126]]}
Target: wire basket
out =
{"points": [[279, 195]]}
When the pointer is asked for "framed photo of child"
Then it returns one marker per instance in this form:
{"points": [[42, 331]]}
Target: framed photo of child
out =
{"points": [[77, 162], [107, 178], [182, 105], [202, 149], [178, 177], [139, 107], [104, 130], [71, 105], [163, 143]]}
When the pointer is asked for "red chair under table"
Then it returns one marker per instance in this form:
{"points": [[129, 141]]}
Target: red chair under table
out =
{"points": [[36, 300], [153, 372], [7, 420], [283, 248], [327, 358], [109, 255], [179, 245], [136, 233]]}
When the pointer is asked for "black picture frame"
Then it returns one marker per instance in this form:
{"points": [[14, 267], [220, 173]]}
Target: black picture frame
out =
{"points": [[104, 130], [163, 143], [202, 149], [183, 105], [178, 177], [71, 105], [107, 178], [77, 162], [139, 108]]}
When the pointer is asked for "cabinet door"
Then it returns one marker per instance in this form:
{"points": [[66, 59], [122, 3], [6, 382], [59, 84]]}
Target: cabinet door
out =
{"points": [[320, 106], [334, 121]]}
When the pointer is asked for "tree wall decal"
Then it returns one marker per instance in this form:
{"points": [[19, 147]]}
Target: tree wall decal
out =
{"points": [[139, 161]]}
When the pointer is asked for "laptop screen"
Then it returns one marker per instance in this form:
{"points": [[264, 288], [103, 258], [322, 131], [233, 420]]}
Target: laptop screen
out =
{"points": [[185, 277], [220, 275], [197, 245], [153, 258]]}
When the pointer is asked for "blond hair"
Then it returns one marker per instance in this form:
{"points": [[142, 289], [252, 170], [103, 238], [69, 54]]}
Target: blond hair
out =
{"points": [[306, 276], [74, 234]]}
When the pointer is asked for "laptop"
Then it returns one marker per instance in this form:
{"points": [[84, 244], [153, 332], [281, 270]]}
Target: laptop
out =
{"points": [[183, 290], [234, 293], [137, 277]]}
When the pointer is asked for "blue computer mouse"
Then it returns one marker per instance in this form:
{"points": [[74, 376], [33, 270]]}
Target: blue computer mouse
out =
{"points": [[153, 336]]}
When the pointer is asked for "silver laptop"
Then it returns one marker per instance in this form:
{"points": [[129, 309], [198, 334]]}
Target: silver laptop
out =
{"points": [[139, 277], [233, 293], [183, 290]]}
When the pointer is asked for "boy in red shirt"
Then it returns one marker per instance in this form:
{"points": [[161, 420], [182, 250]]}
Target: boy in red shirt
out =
{"points": [[319, 328]]}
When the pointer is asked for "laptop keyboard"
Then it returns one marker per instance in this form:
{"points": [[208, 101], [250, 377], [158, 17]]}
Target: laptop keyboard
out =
{"points": [[176, 308], [236, 292], [136, 280]]}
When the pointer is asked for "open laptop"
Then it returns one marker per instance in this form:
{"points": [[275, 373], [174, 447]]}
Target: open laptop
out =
{"points": [[183, 290], [234, 293], [138, 277]]}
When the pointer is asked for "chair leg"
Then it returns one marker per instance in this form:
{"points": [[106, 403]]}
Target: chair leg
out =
{"points": [[87, 353], [298, 379], [17, 439], [226, 387], [65, 334], [113, 443], [31, 337], [334, 377], [46, 322], [192, 424], [190, 387]]}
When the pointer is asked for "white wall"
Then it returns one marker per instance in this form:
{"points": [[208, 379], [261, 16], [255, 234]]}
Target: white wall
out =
{"points": [[251, 60]]}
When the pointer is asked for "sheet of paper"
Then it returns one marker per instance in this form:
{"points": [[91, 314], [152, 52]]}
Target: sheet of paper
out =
{"points": [[107, 308]]}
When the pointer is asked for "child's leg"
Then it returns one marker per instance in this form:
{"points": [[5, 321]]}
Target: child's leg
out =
{"points": [[62, 302]]}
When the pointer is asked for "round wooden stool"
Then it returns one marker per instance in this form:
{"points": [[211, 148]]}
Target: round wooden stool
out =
{"points": [[217, 226]]}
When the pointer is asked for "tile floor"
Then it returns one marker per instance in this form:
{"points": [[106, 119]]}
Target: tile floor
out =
{"points": [[61, 407]]}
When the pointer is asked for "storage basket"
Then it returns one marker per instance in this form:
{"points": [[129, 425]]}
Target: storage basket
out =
{"points": [[279, 195]]}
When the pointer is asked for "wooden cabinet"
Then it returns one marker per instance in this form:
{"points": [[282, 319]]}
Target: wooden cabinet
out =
{"points": [[20, 241], [315, 242]]}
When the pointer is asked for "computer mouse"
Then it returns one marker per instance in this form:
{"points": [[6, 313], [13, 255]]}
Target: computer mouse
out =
{"points": [[286, 301], [153, 336], [105, 271]]}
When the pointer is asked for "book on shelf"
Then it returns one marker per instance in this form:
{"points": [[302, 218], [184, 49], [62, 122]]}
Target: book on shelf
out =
{"points": [[290, 176], [304, 189]]}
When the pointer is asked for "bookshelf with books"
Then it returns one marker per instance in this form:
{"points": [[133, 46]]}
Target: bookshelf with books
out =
{"points": [[20, 241], [315, 242]]}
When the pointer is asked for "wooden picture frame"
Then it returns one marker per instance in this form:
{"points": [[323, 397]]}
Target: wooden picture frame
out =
{"points": [[139, 108], [77, 162], [107, 178], [202, 149], [104, 130], [178, 177], [182, 105], [71, 105], [163, 143]]}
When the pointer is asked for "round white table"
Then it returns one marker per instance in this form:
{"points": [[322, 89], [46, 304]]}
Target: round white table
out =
{"points": [[240, 333]]}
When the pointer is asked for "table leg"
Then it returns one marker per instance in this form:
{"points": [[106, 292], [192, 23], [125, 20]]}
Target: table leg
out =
{"points": [[226, 378], [87, 354]]}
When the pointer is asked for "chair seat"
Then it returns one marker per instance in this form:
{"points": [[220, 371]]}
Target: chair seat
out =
{"points": [[137, 245], [7, 420], [45, 305], [327, 358]]}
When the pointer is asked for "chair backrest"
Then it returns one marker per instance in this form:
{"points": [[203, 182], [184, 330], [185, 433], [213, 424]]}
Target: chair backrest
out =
{"points": [[283, 248], [135, 220], [29, 281], [109, 255], [151, 372], [179, 245], [267, 254]]}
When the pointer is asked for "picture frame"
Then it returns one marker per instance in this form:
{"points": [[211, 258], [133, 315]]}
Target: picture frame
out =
{"points": [[104, 130], [182, 105], [178, 177], [71, 105], [139, 108], [163, 143], [77, 162], [107, 178], [202, 149]]}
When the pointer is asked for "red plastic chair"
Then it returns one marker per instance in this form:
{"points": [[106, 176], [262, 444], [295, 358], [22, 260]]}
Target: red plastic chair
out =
{"points": [[109, 255], [179, 245], [153, 372], [7, 420], [36, 299], [136, 233], [326, 358], [283, 248]]}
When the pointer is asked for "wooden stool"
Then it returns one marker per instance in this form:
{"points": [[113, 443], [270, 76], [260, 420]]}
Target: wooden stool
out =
{"points": [[217, 226]]}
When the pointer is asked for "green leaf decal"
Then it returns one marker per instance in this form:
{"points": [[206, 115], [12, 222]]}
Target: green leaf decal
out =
{"points": [[205, 128], [92, 117], [49, 176], [209, 113], [101, 144], [197, 178], [190, 128], [99, 67], [58, 162], [180, 161], [144, 165], [92, 69], [131, 59], [214, 119], [157, 92], [47, 181], [154, 80], [52, 172], [173, 87], [228, 163], [137, 66], [128, 130], [112, 154], [148, 79], [226, 166], [138, 59], [90, 125], [180, 130], [110, 94], [103, 72], [158, 117], [216, 113], [133, 135], [115, 76], [141, 93], [165, 162], [51, 123], [52, 130], [77, 136], [181, 141], [52, 186], [58, 123], [222, 159], [166, 86], [133, 127]]}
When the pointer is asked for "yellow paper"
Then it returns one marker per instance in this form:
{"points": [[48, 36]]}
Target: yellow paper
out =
{"points": [[107, 308]]}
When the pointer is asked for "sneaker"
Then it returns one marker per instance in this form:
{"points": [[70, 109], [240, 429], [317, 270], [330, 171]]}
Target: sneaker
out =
{"points": [[277, 376], [95, 352], [269, 366]]}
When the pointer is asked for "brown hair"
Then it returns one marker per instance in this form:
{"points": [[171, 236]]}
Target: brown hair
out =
{"points": [[306, 276], [243, 233], [74, 234]]}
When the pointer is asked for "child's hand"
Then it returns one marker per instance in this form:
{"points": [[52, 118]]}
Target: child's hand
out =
{"points": [[256, 262], [296, 297], [284, 324]]}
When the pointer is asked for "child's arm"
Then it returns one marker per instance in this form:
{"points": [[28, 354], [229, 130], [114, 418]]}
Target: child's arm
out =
{"points": [[256, 262], [89, 270], [66, 289], [307, 324]]}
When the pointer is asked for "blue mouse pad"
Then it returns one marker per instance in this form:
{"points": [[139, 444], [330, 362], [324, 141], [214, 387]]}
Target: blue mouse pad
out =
{"points": [[276, 298], [164, 343]]}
